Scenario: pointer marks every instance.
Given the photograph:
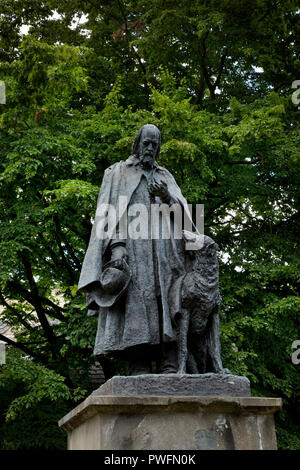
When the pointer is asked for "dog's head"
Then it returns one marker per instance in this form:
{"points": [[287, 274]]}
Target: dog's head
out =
{"points": [[201, 248], [198, 242]]}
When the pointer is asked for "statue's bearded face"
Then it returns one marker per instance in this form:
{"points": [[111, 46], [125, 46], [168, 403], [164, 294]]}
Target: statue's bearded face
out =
{"points": [[149, 144]]}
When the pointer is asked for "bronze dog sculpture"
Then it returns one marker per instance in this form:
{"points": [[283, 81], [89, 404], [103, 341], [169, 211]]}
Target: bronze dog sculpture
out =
{"points": [[198, 319]]}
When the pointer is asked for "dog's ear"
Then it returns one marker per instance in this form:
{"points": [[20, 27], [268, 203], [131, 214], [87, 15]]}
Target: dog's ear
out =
{"points": [[214, 248], [188, 236], [194, 241]]}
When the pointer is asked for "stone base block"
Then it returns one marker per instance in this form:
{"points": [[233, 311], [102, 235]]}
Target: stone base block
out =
{"points": [[172, 423], [225, 385]]}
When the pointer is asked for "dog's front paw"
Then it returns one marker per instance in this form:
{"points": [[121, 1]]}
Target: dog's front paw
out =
{"points": [[181, 370]]}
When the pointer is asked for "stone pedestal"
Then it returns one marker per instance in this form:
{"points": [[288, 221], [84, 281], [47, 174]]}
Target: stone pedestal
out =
{"points": [[129, 418], [218, 385]]}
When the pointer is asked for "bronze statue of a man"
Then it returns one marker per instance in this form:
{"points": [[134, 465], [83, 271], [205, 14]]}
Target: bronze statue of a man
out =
{"points": [[128, 279]]}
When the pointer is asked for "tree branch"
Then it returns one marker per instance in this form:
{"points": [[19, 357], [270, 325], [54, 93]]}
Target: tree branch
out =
{"points": [[57, 310], [69, 247], [223, 200], [61, 250], [204, 68], [36, 301], [221, 68], [23, 348], [242, 162], [204, 76], [16, 313]]}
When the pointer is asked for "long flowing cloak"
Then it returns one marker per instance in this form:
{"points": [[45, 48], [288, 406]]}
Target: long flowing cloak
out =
{"points": [[143, 315]]}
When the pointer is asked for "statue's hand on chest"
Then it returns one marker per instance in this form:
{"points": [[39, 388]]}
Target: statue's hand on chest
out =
{"points": [[160, 189]]}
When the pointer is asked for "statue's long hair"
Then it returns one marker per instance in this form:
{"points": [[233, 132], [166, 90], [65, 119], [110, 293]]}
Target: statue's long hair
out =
{"points": [[136, 142]]}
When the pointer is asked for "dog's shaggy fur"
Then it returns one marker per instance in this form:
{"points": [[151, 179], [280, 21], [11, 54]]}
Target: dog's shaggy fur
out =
{"points": [[198, 320]]}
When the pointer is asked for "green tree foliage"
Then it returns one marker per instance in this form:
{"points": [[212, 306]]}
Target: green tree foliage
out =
{"points": [[39, 396], [216, 78]]}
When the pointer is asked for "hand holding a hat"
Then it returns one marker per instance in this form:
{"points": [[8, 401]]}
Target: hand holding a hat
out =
{"points": [[118, 254], [113, 282]]}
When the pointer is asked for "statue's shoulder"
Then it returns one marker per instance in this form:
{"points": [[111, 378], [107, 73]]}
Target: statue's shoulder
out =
{"points": [[113, 167], [163, 171]]}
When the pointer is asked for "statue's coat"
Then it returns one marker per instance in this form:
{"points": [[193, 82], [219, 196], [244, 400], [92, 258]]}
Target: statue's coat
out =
{"points": [[137, 318]]}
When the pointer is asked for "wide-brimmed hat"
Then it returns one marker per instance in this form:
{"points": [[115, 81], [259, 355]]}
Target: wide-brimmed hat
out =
{"points": [[114, 281]]}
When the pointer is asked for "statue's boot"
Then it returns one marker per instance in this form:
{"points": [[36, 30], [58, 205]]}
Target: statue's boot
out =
{"points": [[139, 362], [169, 360]]}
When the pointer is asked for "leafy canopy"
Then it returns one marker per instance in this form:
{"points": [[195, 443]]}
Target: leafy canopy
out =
{"points": [[216, 78]]}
